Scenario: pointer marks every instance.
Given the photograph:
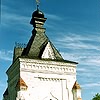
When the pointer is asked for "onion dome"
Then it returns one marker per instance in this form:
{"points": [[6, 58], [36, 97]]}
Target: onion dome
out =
{"points": [[38, 14]]}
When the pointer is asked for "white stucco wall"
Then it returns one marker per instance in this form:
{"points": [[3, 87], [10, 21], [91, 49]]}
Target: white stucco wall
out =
{"points": [[47, 79]]}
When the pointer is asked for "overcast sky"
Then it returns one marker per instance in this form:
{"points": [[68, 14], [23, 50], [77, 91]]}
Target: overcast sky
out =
{"points": [[73, 26]]}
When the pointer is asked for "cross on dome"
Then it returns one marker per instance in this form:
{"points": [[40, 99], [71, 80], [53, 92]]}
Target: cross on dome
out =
{"points": [[37, 2]]}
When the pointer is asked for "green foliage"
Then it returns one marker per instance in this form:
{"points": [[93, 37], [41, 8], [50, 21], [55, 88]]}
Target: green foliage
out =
{"points": [[96, 97]]}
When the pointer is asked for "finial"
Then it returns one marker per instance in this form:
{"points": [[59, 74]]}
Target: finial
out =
{"points": [[37, 2], [37, 7]]}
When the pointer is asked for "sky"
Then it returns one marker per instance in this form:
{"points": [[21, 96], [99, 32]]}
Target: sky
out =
{"points": [[73, 26]]}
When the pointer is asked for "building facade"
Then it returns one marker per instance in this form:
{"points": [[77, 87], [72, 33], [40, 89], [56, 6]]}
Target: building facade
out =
{"points": [[38, 71]]}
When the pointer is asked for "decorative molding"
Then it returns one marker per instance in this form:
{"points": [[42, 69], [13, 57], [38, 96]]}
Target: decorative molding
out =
{"points": [[48, 68], [50, 79], [48, 62]]}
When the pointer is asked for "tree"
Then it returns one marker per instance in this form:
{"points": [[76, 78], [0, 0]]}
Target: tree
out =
{"points": [[96, 97]]}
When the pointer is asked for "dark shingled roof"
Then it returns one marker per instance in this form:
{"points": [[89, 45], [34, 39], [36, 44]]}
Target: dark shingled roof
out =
{"points": [[37, 44], [38, 41]]}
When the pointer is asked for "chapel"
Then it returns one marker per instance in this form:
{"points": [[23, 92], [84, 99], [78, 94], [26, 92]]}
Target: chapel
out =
{"points": [[38, 71]]}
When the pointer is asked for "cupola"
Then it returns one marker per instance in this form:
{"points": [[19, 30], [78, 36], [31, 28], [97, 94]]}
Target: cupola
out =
{"points": [[38, 14], [38, 19]]}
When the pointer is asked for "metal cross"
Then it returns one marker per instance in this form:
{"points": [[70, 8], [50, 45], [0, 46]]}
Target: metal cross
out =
{"points": [[37, 1]]}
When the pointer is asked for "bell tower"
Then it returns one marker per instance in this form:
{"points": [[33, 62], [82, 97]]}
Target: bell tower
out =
{"points": [[38, 71]]}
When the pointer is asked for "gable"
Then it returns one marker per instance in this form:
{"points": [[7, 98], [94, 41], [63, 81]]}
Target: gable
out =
{"points": [[48, 52]]}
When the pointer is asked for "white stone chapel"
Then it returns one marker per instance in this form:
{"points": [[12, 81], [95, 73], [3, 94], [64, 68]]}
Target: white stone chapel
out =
{"points": [[38, 71]]}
